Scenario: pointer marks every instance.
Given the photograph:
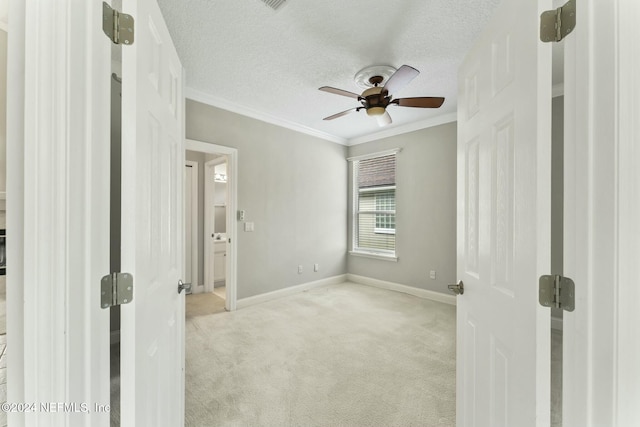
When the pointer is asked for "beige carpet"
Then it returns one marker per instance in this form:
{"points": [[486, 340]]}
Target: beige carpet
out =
{"points": [[203, 304], [343, 355]]}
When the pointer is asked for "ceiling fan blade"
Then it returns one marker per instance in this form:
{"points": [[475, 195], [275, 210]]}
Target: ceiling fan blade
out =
{"points": [[420, 102], [400, 79], [384, 119], [339, 92], [342, 113]]}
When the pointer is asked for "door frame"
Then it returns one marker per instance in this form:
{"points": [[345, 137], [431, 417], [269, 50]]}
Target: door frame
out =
{"points": [[195, 253], [232, 228], [58, 172], [602, 207]]}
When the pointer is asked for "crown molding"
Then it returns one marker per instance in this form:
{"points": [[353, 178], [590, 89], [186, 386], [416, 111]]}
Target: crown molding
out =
{"points": [[225, 104], [409, 127]]}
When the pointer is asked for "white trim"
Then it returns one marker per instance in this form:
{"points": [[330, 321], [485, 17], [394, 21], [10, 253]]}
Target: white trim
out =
{"points": [[374, 155], [377, 230], [402, 129], [377, 189], [374, 255], [270, 296], [602, 243], [232, 207], [234, 107], [421, 293], [195, 253], [626, 314], [58, 199], [208, 226]]}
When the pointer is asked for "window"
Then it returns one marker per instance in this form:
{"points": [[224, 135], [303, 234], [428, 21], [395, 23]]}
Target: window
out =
{"points": [[374, 201], [386, 202]]}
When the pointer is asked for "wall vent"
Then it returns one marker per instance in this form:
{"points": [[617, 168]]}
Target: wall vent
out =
{"points": [[274, 4]]}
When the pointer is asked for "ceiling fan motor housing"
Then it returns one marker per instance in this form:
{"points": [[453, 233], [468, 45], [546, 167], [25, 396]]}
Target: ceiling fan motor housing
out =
{"points": [[375, 100]]}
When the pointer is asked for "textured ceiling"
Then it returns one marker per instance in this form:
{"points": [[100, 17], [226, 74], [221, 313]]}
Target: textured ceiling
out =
{"points": [[249, 58]]}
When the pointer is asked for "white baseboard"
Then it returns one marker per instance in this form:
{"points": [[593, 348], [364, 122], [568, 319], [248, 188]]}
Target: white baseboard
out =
{"points": [[556, 323], [197, 288], [270, 296], [422, 293]]}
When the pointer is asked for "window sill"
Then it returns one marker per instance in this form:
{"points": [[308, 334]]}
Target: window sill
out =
{"points": [[373, 255]]}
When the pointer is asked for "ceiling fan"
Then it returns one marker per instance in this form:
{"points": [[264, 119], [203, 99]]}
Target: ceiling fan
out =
{"points": [[376, 98]]}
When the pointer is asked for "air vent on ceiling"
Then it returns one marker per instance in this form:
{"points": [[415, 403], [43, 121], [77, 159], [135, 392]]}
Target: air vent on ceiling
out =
{"points": [[274, 4]]}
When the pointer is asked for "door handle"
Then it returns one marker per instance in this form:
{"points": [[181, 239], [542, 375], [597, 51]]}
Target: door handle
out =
{"points": [[183, 286], [457, 289]]}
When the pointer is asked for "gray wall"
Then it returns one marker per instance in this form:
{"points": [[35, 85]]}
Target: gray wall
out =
{"points": [[425, 210], [293, 187]]}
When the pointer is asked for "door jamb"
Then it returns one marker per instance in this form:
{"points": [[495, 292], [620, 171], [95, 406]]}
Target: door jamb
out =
{"points": [[602, 204], [58, 98], [232, 202]]}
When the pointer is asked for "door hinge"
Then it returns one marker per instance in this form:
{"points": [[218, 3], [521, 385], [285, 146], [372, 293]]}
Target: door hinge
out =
{"points": [[117, 26], [559, 23], [116, 289], [557, 291]]}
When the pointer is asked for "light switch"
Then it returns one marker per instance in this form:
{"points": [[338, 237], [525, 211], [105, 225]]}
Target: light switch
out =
{"points": [[432, 274], [248, 226]]}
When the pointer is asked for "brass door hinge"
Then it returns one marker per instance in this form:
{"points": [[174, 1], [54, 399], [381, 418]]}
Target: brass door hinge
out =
{"points": [[557, 291], [116, 289], [556, 24], [117, 26]]}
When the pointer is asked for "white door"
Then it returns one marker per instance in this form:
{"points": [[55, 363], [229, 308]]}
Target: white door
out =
{"points": [[504, 157], [152, 336]]}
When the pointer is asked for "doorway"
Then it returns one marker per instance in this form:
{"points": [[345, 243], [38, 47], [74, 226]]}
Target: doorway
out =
{"points": [[212, 232], [215, 224]]}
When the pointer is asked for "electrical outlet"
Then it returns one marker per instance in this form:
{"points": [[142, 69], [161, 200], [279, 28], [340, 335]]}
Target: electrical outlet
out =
{"points": [[316, 267], [432, 274], [299, 269]]}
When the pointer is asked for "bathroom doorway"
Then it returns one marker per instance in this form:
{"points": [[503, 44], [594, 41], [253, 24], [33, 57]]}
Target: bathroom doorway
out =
{"points": [[215, 223], [211, 226]]}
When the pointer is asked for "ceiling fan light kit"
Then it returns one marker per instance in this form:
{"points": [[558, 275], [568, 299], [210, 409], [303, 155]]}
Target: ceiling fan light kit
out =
{"points": [[375, 111], [376, 98]]}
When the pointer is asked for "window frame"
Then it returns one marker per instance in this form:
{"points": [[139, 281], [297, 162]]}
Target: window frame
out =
{"points": [[384, 254]]}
